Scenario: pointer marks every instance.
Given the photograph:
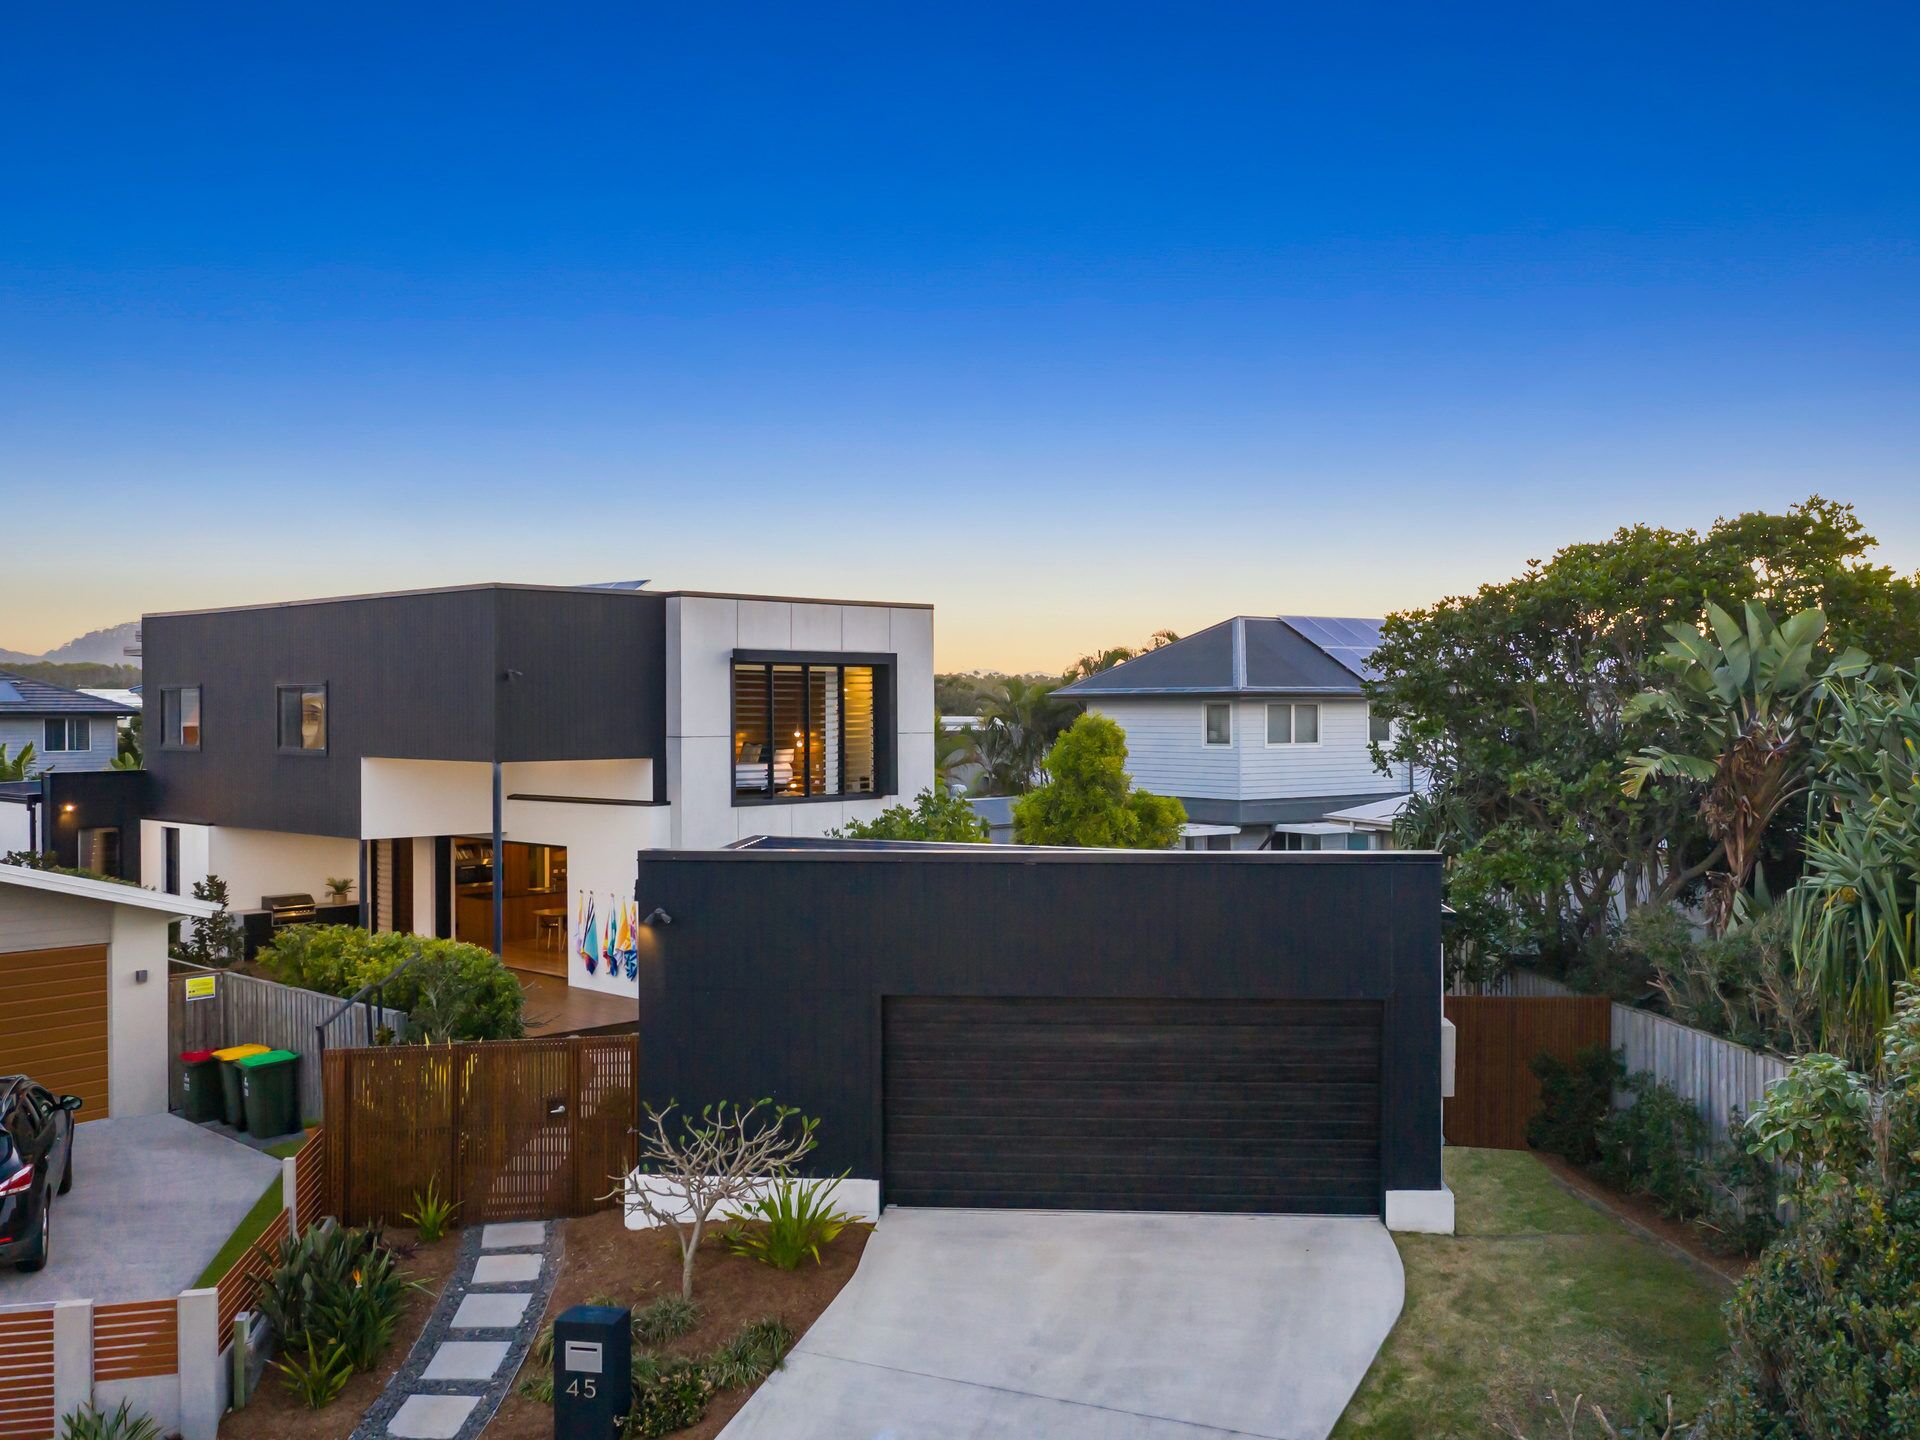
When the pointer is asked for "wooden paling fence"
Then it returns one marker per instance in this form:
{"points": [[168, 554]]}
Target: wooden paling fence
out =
{"points": [[508, 1129], [1717, 1076], [1495, 1092], [245, 1009]]}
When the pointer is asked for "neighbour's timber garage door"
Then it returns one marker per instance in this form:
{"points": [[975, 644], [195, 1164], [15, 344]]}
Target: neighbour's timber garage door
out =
{"points": [[1260, 1106], [53, 1021]]}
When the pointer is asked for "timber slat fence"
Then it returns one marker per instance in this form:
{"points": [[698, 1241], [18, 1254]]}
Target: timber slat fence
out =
{"points": [[1717, 1076], [508, 1129], [26, 1373], [1495, 1091], [245, 1009]]}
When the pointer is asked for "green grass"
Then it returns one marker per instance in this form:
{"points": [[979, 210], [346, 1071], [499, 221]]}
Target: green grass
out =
{"points": [[248, 1230], [1536, 1293]]}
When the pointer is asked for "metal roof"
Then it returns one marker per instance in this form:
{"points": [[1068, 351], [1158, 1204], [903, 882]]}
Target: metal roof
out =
{"points": [[21, 696], [1247, 655]]}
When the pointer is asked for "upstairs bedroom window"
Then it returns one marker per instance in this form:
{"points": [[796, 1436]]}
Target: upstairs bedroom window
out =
{"points": [[1293, 724], [180, 718], [303, 719], [71, 733], [808, 729]]}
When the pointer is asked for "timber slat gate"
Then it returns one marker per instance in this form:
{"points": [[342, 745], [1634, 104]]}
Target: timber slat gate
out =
{"points": [[510, 1129], [1496, 1037]]}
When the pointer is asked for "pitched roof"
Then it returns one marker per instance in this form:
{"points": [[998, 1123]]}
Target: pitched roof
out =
{"points": [[1248, 655], [81, 887], [21, 696]]}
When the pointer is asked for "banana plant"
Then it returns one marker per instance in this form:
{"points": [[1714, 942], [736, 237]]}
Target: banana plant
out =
{"points": [[18, 766], [1741, 694]]}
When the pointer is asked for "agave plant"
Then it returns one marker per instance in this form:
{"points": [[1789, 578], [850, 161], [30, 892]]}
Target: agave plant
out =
{"points": [[1742, 696]]}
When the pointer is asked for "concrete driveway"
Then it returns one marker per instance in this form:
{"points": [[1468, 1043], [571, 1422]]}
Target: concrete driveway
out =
{"points": [[967, 1324], [153, 1200]]}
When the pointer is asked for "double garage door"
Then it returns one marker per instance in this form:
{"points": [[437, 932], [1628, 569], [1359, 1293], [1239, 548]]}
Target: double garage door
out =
{"points": [[1257, 1106]]}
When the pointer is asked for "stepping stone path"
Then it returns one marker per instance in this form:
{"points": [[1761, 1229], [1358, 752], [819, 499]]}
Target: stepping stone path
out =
{"points": [[476, 1339]]}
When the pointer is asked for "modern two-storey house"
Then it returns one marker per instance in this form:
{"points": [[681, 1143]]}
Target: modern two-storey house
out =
{"points": [[484, 763], [1260, 726]]}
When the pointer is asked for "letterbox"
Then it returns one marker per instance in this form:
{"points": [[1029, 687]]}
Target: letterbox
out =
{"points": [[592, 1371]]}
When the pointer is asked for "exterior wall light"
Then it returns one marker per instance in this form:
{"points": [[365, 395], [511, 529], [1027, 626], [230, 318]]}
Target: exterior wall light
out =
{"points": [[657, 916]]}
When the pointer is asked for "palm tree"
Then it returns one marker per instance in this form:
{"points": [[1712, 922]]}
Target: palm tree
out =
{"points": [[20, 766], [1019, 723], [1742, 698]]}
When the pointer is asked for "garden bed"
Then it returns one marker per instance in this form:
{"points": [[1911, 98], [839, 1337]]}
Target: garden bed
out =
{"points": [[602, 1258], [275, 1414], [1639, 1212]]}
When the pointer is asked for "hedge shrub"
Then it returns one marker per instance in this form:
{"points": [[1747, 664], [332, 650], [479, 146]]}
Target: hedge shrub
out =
{"points": [[455, 992]]}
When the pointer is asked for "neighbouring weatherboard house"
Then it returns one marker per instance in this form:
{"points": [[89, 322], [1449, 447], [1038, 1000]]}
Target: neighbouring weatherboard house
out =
{"points": [[484, 762], [1260, 726], [68, 729]]}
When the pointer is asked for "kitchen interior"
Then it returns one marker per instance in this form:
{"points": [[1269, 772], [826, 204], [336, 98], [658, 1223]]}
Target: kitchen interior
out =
{"points": [[534, 884]]}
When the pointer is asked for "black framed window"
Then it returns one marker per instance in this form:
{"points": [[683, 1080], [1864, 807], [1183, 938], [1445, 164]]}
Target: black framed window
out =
{"points": [[180, 717], [808, 728], [303, 719], [71, 732]]}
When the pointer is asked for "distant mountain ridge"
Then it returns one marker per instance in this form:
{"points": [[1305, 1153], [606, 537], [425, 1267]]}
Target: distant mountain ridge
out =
{"points": [[96, 647]]}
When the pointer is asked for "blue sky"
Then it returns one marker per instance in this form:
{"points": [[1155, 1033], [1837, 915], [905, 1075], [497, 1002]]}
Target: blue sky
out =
{"points": [[1074, 320]]}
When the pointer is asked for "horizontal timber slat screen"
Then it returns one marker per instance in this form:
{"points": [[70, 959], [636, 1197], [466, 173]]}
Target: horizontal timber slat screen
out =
{"points": [[26, 1374], [510, 1129], [1496, 1039], [139, 1338]]}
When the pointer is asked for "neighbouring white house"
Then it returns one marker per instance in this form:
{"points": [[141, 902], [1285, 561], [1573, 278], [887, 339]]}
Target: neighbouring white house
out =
{"points": [[68, 729], [484, 762], [1260, 726], [83, 987]]}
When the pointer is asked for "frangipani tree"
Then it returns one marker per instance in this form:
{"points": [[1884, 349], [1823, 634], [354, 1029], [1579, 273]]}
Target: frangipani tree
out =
{"points": [[1742, 695]]}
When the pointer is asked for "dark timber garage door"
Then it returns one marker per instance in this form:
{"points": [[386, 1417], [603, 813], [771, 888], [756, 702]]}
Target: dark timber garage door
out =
{"points": [[1133, 1104]]}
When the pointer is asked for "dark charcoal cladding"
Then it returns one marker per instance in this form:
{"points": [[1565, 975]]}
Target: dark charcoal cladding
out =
{"points": [[1264, 1106], [994, 1025]]}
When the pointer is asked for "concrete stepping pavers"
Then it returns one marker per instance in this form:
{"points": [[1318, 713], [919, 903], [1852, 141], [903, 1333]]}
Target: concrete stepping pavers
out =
{"points": [[472, 1346], [506, 1270], [431, 1417], [501, 1311], [466, 1360], [514, 1235]]}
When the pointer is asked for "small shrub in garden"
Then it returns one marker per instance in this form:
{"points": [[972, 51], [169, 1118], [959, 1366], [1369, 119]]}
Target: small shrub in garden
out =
{"points": [[795, 1219], [752, 1355], [1574, 1099], [337, 1292], [318, 1375], [432, 1212], [1823, 1326], [667, 1318], [674, 1396], [1654, 1147], [455, 991], [124, 1423]]}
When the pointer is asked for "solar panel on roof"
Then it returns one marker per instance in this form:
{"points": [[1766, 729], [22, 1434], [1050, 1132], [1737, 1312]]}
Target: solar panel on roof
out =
{"points": [[1346, 639], [10, 693]]}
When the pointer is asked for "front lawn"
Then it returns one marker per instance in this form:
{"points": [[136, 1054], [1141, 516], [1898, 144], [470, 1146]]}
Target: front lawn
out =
{"points": [[1536, 1293]]}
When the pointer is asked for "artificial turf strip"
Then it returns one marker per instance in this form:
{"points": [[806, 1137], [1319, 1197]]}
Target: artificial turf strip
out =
{"points": [[1536, 1294], [257, 1219]]}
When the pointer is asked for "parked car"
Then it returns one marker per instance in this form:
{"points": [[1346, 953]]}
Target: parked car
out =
{"points": [[36, 1144]]}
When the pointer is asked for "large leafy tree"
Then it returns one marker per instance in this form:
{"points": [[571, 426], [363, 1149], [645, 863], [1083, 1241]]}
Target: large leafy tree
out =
{"points": [[1090, 800], [1739, 698], [934, 815], [1512, 703]]}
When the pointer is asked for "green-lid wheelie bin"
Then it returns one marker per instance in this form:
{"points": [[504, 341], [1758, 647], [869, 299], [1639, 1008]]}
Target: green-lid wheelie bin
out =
{"points": [[233, 1108], [271, 1096], [200, 1097]]}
